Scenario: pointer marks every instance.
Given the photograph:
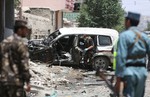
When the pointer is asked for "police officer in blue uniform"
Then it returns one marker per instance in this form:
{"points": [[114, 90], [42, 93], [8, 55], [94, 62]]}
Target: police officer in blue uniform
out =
{"points": [[133, 45]]}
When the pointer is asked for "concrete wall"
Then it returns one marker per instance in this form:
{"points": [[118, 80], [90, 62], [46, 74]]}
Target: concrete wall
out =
{"points": [[43, 19], [44, 12], [39, 25]]}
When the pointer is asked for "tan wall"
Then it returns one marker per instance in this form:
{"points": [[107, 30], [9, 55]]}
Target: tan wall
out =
{"points": [[42, 19], [39, 25]]}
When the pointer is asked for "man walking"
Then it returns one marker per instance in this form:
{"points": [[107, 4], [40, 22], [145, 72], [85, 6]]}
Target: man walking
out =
{"points": [[133, 45], [14, 63]]}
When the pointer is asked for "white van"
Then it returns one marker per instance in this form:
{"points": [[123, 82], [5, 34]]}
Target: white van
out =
{"points": [[62, 45]]}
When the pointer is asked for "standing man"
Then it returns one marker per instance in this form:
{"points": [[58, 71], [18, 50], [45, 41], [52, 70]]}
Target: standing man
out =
{"points": [[14, 63], [133, 45]]}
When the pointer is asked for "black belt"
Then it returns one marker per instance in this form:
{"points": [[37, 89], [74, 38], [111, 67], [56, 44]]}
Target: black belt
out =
{"points": [[136, 65], [136, 57]]}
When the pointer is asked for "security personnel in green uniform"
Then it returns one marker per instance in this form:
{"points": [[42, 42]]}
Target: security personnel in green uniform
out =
{"points": [[14, 63], [133, 45]]}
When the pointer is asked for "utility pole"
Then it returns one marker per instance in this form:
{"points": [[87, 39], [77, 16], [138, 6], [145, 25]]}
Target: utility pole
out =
{"points": [[9, 17], [2, 19], [20, 10], [9, 13]]}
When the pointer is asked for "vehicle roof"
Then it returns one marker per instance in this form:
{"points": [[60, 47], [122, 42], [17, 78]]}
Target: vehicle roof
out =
{"points": [[89, 31]]}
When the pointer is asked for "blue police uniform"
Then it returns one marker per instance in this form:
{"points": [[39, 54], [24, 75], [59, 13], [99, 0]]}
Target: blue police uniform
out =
{"points": [[131, 61]]}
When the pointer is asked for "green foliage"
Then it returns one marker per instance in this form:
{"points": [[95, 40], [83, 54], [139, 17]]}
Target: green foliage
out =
{"points": [[101, 13], [120, 27]]}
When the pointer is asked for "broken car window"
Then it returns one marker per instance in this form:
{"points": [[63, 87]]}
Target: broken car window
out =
{"points": [[52, 36]]}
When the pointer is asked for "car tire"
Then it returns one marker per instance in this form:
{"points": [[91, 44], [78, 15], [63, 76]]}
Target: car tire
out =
{"points": [[101, 62]]}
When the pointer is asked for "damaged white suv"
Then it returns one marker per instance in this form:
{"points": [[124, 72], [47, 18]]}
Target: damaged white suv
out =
{"points": [[59, 47]]}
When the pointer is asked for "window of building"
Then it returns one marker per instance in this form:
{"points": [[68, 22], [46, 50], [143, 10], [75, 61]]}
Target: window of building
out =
{"points": [[77, 6]]}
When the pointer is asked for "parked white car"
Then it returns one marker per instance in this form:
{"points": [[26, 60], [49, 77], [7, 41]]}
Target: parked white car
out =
{"points": [[62, 45]]}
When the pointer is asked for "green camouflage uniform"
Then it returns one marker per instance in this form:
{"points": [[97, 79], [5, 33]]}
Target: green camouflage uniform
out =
{"points": [[14, 67], [85, 43], [89, 42]]}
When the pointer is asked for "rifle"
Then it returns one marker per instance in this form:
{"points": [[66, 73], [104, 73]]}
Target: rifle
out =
{"points": [[101, 74]]}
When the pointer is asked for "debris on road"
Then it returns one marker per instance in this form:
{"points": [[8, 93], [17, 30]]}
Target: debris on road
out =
{"points": [[66, 82]]}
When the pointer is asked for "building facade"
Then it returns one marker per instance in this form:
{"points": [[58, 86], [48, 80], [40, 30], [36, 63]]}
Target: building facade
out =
{"points": [[44, 16], [70, 17]]}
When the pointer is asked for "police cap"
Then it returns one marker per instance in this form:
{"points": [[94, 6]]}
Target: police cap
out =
{"points": [[132, 15]]}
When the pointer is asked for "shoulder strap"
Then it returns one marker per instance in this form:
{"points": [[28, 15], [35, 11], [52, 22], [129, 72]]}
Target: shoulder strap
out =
{"points": [[138, 37]]}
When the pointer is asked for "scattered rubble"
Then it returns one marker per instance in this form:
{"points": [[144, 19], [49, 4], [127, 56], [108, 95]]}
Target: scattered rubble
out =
{"points": [[61, 81]]}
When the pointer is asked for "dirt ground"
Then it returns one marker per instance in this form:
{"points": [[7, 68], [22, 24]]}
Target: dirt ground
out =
{"points": [[61, 81]]}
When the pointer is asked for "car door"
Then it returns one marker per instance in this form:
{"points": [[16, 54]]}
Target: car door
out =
{"points": [[49, 52], [61, 47]]}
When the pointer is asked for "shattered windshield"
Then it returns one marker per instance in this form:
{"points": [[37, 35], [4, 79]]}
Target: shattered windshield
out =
{"points": [[52, 36]]}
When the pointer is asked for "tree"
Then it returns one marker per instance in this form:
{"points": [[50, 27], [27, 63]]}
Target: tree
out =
{"points": [[101, 13]]}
